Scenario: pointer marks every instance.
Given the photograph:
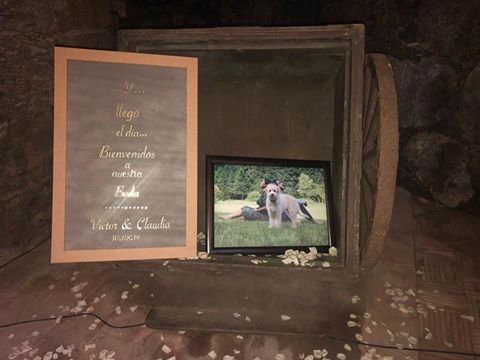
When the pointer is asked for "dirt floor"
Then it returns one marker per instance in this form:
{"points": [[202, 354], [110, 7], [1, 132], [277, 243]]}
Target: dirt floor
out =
{"points": [[424, 293]]}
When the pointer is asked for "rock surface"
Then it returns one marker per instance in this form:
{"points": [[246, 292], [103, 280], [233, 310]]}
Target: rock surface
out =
{"points": [[29, 30], [439, 167], [434, 48]]}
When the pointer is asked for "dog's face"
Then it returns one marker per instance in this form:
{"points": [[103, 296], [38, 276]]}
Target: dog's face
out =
{"points": [[272, 191]]}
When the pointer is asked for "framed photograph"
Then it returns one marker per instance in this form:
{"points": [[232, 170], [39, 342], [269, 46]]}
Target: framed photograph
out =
{"points": [[266, 206], [125, 156]]}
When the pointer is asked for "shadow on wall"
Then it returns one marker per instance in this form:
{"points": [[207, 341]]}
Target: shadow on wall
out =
{"points": [[28, 32], [434, 48]]}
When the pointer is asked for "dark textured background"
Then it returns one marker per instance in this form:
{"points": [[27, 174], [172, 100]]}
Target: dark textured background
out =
{"points": [[434, 47]]}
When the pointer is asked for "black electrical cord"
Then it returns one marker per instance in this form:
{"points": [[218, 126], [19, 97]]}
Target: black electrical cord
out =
{"points": [[73, 316], [331, 337], [24, 253]]}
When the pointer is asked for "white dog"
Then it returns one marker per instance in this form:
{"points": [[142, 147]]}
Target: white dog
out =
{"points": [[277, 204]]}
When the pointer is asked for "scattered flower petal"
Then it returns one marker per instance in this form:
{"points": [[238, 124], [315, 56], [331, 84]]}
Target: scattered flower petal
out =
{"points": [[332, 251], [89, 347], [412, 340], [468, 317]]}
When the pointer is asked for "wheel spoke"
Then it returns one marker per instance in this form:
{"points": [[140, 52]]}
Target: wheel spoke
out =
{"points": [[370, 177], [372, 131], [370, 151], [372, 102], [367, 211], [366, 94], [363, 223]]}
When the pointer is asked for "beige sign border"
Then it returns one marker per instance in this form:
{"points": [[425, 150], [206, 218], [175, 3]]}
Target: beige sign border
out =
{"points": [[59, 254]]}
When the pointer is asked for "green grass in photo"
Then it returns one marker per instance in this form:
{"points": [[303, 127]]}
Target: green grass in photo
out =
{"points": [[242, 233]]}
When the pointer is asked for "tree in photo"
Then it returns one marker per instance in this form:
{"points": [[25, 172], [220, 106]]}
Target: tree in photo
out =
{"points": [[219, 194], [308, 189]]}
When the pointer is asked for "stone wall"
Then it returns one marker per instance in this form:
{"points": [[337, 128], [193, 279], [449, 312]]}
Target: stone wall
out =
{"points": [[435, 50], [439, 92], [29, 29]]}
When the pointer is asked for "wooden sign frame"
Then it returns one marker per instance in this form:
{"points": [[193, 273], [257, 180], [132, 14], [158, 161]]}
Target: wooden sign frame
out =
{"points": [[59, 252]]}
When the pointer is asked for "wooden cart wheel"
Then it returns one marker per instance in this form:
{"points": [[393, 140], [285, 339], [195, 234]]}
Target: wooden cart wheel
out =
{"points": [[380, 157]]}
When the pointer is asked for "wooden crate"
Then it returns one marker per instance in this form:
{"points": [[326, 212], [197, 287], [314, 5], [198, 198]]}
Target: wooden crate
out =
{"points": [[298, 93]]}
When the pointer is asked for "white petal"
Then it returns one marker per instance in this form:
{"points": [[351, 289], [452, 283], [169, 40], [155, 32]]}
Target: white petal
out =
{"points": [[355, 299], [333, 251]]}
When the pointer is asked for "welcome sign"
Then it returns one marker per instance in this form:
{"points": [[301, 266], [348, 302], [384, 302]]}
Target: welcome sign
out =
{"points": [[125, 156]]}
